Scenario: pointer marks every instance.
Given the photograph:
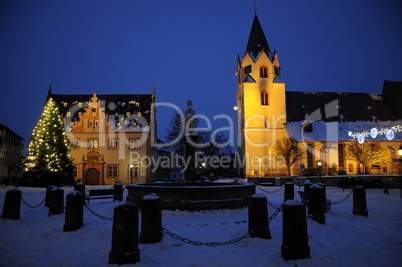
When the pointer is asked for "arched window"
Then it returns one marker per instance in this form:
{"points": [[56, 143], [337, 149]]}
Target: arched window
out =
{"points": [[341, 156], [310, 156], [264, 98], [263, 71]]}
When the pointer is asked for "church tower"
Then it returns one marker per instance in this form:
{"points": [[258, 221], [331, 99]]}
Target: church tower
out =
{"points": [[261, 107]]}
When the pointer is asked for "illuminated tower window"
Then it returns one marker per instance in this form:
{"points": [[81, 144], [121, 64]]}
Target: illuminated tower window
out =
{"points": [[263, 72], [264, 98]]}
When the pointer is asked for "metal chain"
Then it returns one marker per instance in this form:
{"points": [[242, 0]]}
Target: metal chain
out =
{"points": [[270, 191], [272, 205], [277, 211], [208, 244], [31, 206], [96, 214], [341, 201]]}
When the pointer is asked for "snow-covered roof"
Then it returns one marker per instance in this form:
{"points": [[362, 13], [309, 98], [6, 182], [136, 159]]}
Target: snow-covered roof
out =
{"points": [[346, 131]]}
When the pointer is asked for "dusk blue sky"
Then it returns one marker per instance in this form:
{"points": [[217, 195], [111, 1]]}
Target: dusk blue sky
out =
{"points": [[188, 50]]}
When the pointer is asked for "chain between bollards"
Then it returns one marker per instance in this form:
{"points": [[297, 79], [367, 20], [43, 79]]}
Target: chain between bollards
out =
{"points": [[208, 244], [277, 211], [343, 200], [96, 214], [270, 192], [33, 206]]}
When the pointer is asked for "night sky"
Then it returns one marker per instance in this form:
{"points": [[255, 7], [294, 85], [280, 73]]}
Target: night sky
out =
{"points": [[188, 50]]}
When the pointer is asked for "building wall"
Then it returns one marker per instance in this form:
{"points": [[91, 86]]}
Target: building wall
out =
{"points": [[10, 153], [328, 154], [103, 152], [261, 119]]}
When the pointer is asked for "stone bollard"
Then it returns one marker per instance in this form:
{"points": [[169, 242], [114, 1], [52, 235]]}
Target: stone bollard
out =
{"points": [[289, 191], [359, 201], [74, 212], [56, 201], [125, 235], [294, 231], [118, 192], [306, 196], [325, 196], [47, 196], [316, 207], [258, 225], [80, 187], [12, 205], [151, 220]]}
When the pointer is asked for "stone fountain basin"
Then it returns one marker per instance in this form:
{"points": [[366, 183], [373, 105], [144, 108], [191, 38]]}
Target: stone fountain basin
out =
{"points": [[188, 196]]}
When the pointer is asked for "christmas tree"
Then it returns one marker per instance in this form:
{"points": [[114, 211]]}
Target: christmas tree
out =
{"points": [[48, 161]]}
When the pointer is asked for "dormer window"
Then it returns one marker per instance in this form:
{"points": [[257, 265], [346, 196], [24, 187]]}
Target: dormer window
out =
{"points": [[247, 69], [263, 71], [277, 71]]}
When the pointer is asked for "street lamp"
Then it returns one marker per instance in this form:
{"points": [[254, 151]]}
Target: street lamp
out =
{"points": [[131, 172], [319, 163], [400, 163], [400, 151]]}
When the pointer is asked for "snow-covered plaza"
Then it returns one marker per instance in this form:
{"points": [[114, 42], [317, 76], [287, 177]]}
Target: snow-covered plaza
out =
{"points": [[345, 239]]}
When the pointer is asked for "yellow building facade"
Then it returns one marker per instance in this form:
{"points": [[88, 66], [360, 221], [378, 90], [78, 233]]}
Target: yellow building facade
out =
{"points": [[111, 137], [323, 124]]}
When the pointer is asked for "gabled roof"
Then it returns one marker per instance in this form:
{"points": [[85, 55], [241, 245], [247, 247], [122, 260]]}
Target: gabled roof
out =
{"points": [[337, 106], [113, 104], [392, 92], [257, 41]]}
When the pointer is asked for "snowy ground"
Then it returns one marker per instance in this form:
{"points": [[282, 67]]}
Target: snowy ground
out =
{"points": [[345, 239]]}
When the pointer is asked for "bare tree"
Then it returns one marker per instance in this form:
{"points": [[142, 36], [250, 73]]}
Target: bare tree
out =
{"points": [[287, 149], [368, 154]]}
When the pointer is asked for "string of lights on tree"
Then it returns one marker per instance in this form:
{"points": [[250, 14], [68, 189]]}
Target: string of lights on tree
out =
{"points": [[49, 146], [374, 133]]}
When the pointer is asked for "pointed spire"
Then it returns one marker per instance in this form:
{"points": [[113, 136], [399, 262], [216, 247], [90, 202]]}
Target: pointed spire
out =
{"points": [[49, 92], [257, 41], [94, 98], [153, 93]]}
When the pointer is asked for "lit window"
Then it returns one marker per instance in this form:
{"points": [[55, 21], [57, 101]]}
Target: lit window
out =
{"points": [[134, 171], [263, 71], [75, 144], [64, 104], [137, 104], [134, 123], [139, 113], [96, 123], [90, 123], [123, 104], [341, 156], [128, 114], [68, 114], [112, 171], [310, 156], [264, 98], [93, 144], [113, 143], [134, 144]]}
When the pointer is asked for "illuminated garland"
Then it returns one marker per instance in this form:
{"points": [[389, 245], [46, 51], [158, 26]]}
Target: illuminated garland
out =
{"points": [[374, 133]]}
